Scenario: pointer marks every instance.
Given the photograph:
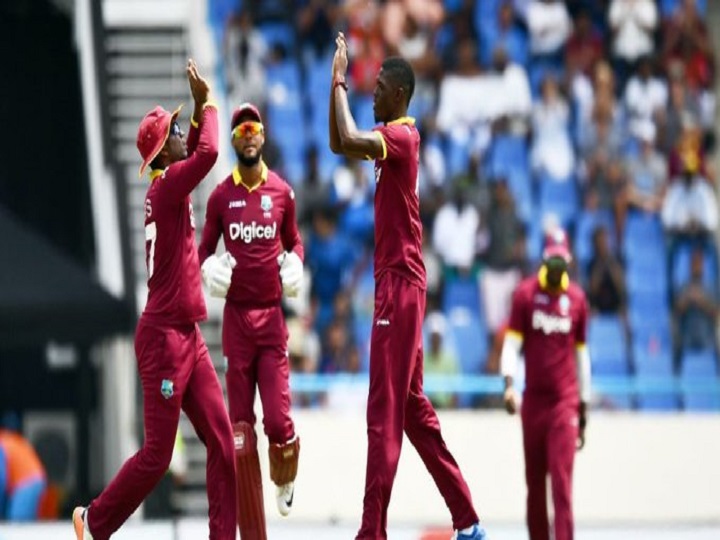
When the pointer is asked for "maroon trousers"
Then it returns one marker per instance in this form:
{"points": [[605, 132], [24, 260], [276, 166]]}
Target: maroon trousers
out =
{"points": [[255, 345], [176, 373], [396, 403], [550, 431]]}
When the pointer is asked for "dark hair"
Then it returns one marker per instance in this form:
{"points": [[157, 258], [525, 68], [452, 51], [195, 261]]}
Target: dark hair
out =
{"points": [[400, 72]]}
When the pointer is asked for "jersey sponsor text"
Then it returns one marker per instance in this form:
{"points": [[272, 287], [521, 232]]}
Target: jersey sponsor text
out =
{"points": [[550, 324], [251, 231]]}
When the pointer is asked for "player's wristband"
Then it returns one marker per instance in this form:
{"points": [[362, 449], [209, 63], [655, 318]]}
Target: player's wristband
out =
{"points": [[339, 81]]}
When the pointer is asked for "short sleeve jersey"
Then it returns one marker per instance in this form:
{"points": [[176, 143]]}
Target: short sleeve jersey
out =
{"points": [[398, 229], [551, 327], [256, 225]]}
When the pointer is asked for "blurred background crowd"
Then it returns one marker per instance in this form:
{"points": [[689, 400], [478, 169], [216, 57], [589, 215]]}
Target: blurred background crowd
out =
{"points": [[594, 115]]}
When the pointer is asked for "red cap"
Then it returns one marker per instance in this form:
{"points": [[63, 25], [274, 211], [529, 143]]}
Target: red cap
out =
{"points": [[245, 109], [556, 245], [153, 132]]}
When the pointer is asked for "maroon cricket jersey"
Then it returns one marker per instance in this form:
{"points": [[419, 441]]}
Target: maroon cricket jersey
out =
{"points": [[174, 284], [398, 230], [551, 326], [257, 225]]}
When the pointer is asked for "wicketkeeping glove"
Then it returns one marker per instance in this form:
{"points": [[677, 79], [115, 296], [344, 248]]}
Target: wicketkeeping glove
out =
{"points": [[217, 273], [291, 272]]}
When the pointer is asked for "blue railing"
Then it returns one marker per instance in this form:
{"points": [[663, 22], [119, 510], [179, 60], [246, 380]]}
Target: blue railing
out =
{"points": [[493, 384]]}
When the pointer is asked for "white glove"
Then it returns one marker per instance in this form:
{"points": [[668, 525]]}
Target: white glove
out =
{"points": [[291, 273], [217, 273]]}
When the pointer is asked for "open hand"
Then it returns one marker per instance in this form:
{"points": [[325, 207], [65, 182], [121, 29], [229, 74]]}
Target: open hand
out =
{"points": [[199, 87], [340, 60]]}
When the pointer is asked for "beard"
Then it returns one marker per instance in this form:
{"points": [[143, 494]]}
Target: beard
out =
{"points": [[249, 161]]}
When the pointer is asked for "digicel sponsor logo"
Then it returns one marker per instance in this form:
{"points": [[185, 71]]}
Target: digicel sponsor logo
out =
{"points": [[249, 232], [550, 324]]}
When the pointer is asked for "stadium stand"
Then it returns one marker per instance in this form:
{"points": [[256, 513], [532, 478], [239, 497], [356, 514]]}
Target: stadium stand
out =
{"points": [[566, 158]]}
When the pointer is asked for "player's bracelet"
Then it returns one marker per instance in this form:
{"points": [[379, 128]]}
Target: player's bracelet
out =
{"points": [[340, 82]]}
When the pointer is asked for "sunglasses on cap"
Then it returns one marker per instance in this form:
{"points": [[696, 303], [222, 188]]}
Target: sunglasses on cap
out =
{"points": [[247, 128], [175, 130]]}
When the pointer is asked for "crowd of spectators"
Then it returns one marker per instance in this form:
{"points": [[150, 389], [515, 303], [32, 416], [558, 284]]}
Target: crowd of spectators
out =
{"points": [[597, 115]]}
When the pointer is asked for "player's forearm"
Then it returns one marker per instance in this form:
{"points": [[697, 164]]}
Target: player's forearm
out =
{"points": [[332, 124], [344, 121], [509, 357], [584, 373], [196, 167], [194, 133]]}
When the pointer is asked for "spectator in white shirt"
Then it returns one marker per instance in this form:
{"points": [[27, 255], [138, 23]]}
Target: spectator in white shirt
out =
{"points": [[632, 23], [549, 25], [455, 231], [690, 207], [645, 95], [552, 150], [467, 121]]}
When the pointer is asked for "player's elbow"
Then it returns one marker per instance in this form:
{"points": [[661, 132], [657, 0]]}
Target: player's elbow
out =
{"points": [[335, 147]]}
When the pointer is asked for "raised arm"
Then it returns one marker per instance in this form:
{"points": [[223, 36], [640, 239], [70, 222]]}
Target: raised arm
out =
{"points": [[345, 138], [183, 176]]}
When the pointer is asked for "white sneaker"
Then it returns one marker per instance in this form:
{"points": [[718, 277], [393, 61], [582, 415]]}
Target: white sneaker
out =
{"points": [[284, 495]]}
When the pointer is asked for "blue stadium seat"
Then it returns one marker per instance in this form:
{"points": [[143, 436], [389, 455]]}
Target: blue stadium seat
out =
{"points": [[469, 335], [507, 152], [681, 268], [362, 105], [655, 368], [643, 238], [278, 33], [317, 89], [699, 366], [585, 227], [462, 292], [285, 108], [607, 343], [668, 7], [647, 280], [559, 197]]}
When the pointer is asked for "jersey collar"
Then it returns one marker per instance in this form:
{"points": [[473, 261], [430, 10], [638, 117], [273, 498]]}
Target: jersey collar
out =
{"points": [[237, 177], [407, 120], [542, 280], [155, 173]]}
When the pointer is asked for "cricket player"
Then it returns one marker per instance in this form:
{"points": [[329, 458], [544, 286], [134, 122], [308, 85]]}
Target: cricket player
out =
{"points": [[175, 368], [548, 320], [253, 210], [396, 401]]}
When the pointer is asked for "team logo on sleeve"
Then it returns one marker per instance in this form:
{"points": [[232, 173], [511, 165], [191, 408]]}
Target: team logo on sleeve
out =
{"points": [[166, 388]]}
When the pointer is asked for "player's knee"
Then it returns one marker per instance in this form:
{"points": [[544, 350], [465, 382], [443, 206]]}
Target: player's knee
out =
{"points": [[277, 428], [155, 457]]}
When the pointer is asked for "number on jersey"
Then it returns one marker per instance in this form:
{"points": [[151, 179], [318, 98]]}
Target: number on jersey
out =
{"points": [[151, 237]]}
